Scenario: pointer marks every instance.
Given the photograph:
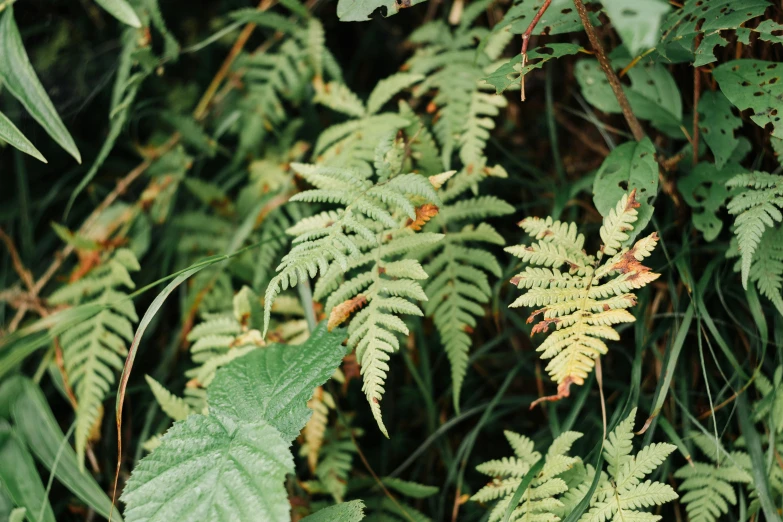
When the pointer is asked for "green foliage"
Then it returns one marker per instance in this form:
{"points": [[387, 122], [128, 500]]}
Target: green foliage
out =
{"points": [[540, 500], [403, 158], [257, 405], [708, 487], [366, 236], [717, 124], [18, 76], [756, 85], [705, 191], [631, 166], [360, 10], [582, 309], [454, 70], [93, 350], [652, 93], [757, 206], [508, 75], [624, 492], [696, 27], [638, 25]]}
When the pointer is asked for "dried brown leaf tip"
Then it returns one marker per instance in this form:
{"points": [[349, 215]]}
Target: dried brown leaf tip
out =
{"points": [[632, 203], [343, 311], [563, 391], [423, 214]]}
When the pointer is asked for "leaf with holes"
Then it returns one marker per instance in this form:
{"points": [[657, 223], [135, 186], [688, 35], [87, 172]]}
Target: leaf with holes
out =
{"points": [[360, 10], [560, 17], [630, 166], [754, 84], [708, 18], [508, 74], [717, 124], [704, 189], [638, 23]]}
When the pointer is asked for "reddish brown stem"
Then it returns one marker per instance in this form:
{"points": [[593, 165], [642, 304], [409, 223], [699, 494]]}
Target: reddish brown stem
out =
{"points": [[526, 39], [614, 81]]}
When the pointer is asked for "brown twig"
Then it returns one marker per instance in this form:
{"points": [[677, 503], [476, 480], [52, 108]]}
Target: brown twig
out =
{"points": [[614, 81], [24, 274], [525, 40], [239, 44]]}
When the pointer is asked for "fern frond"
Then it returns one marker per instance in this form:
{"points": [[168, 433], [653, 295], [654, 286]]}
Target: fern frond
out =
{"points": [[757, 207], [173, 406], [582, 310], [365, 241], [94, 350], [624, 494], [540, 501]]}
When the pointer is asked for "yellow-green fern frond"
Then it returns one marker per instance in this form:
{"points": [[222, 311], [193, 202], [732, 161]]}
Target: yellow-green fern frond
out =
{"points": [[94, 350], [541, 500], [360, 251], [624, 493], [582, 296]]}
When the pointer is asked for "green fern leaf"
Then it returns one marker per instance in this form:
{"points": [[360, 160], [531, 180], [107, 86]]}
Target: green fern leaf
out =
{"points": [[623, 494], [757, 207], [94, 350], [540, 502]]}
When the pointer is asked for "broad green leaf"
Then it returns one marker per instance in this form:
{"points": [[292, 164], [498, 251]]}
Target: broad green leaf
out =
{"points": [[360, 10], [508, 74], [121, 10], [707, 17], [36, 425], [14, 137], [283, 378], [717, 124], [205, 469], [630, 166], [19, 77], [637, 22], [352, 511], [704, 189], [230, 465], [19, 478], [757, 85], [770, 31], [653, 93]]}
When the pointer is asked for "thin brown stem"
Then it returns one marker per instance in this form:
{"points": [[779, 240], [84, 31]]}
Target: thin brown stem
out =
{"points": [[526, 39], [239, 44], [614, 81], [696, 95], [19, 268]]}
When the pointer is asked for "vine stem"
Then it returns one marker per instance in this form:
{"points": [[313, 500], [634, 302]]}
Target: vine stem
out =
{"points": [[614, 81], [526, 40]]}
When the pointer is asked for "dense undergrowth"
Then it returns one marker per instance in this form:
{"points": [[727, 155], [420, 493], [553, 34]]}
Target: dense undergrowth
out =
{"points": [[309, 261]]}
